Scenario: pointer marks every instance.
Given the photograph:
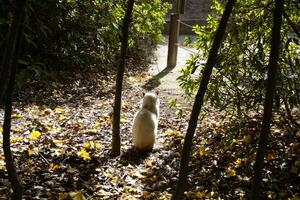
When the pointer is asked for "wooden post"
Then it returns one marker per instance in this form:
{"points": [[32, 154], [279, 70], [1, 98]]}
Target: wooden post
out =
{"points": [[173, 40], [180, 6]]}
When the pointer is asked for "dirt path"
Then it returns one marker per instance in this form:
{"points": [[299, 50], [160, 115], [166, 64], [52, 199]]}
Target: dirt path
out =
{"points": [[164, 79]]}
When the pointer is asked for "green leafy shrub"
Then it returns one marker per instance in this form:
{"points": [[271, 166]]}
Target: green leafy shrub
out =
{"points": [[238, 79], [78, 33]]}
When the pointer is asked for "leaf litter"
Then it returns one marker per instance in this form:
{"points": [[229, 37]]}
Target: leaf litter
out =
{"points": [[61, 137]]}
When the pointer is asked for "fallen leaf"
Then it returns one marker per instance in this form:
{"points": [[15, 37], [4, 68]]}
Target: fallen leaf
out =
{"points": [[47, 111], [83, 154], [58, 110], [87, 145], [62, 117], [154, 178], [149, 163], [137, 174], [270, 157], [145, 194], [230, 172], [124, 106], [34, 135], [247, 138], [30, 152], [200, 195], [16, 115], [202, 151], [53, 166], [63, 196], [15, 139], [238, 162], [122, 120], [168, 132]]}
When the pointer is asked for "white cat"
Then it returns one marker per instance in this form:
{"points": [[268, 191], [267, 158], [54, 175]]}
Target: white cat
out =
{"points": [[145, 123]]}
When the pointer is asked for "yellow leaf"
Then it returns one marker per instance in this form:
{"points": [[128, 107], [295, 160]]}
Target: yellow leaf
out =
{"points": [[168, 132], [58, 143], [1, 157], [247, 138], [238, 161], [34, 135], [47, 111], [200, 195], [48, 128], [91, 130], [230, 172], [98, 145], [53, 166], [58, 110], [125, 106], [165, 196], [149, 163], [83, 154], [88, 145], [114, 179], [145, 194], [270, 157], [122, 121], [104, 118], [30, 152], [1, 129], [15, 139], [178, 133], [109, 175], [62, 117], [154, 178], [202, 151], [96, 125], [16, 115], [63, 196]]}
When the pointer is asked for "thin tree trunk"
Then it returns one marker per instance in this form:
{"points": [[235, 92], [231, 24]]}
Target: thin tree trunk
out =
{"points": [[10, 49], [270, 90], [115, 149], [9, 65], [211, 61]]}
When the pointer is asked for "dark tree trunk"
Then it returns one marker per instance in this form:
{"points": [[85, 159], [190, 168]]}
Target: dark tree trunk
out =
{"points": [[115, 147], [211, 61], [7, 78], [270, 90], [10, 50]]}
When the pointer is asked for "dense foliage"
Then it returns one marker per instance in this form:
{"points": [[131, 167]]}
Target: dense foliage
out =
{"points": [[238, 80], [72, 33]]}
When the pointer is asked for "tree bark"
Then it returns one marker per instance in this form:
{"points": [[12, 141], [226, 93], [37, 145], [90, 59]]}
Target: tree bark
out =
{"points": [[116, 143], [268, 103], [11, 49], [211, 61], [9, 65]]}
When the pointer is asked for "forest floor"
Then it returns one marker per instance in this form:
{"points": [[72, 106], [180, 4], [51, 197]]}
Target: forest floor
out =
{"points": [[61, 138]]}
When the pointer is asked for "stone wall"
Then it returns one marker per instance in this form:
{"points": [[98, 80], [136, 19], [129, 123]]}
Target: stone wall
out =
{"points": [[195, 13]]}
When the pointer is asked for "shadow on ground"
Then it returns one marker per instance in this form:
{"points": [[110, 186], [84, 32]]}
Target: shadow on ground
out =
{"points": [[154, 82]]}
